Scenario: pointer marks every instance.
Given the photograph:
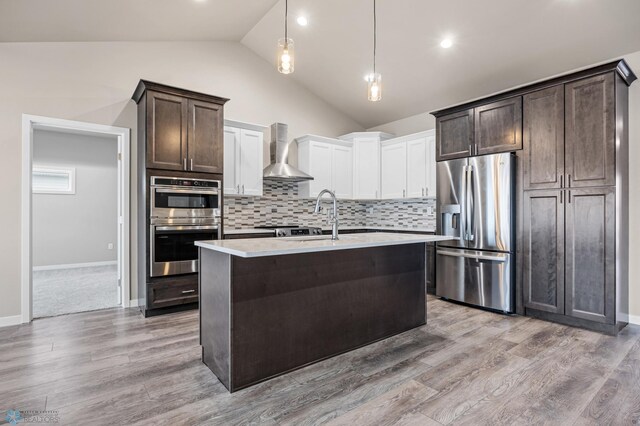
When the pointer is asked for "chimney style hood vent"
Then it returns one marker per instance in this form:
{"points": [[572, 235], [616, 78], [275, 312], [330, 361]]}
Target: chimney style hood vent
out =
{"points": [[279, 168]]}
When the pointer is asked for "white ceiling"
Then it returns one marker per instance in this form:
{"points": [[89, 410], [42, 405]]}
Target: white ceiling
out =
{"points": [[498, 44], [129, 20]]}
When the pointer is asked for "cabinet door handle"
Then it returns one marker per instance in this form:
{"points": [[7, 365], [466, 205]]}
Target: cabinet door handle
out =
{"points": [[238, 189], [243, 188], [423, 192], [569, 197], [561, 181], [376, 194], [426, 191], [188, 291], [569, 181], [184, 163], [470, 149], [191, 168], [404, 193], [561, 192]]}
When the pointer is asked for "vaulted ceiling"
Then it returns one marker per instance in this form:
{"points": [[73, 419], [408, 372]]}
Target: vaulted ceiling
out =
{"points": [[497, 44], [129, 20]]}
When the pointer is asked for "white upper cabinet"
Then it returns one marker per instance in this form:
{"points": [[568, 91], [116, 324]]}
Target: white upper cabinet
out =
{"points": [[409, 166], [243, 160], [366, 168], [251, 152], [431, 164], [329, 161], [231, 159], [366, 163], [416, 167], [369, 165], [342, 171], [394, 170]]}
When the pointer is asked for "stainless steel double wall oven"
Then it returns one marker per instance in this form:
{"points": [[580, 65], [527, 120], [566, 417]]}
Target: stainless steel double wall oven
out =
{"points": [[182, 211]]}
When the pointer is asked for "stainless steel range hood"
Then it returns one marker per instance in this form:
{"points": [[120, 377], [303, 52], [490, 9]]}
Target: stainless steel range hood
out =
{"points": [[279, 168]]}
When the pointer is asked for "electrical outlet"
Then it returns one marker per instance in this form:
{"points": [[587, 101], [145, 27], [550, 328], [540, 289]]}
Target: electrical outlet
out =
{"points": [[110, 246]]}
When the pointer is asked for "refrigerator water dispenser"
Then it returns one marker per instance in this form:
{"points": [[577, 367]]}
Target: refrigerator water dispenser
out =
{"points": [[450, 219]]}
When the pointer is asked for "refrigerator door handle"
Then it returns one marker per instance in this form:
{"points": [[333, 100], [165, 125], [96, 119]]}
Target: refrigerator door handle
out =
{"points": [[469, 210], [495, 258]]}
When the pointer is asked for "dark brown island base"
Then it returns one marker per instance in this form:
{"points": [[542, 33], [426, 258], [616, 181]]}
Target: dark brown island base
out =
{"points": [[272, 305]]}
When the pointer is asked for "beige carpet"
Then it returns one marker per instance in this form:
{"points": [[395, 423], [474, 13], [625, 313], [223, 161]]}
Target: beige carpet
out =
{"points": [[65, 291]]}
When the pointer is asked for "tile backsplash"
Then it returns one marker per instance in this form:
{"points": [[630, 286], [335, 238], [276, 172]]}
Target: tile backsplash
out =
{"points": [[280, 205]]}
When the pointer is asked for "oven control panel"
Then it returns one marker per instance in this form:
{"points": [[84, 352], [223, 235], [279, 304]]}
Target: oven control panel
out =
{"points": [[184, 182]]}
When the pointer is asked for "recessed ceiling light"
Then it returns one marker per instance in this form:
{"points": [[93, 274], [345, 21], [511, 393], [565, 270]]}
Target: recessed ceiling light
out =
{"points": [[302, 21], [446, 43]]}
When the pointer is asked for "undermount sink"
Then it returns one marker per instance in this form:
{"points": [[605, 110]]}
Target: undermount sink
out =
{"points": [[306, 240]]}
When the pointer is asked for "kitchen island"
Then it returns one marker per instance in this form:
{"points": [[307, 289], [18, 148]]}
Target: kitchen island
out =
{"points": [[272, 305]]}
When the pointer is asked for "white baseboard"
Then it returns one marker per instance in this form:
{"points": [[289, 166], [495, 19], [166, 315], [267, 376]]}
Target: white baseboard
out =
{"points": [[634, 319], [133, 303], [75, 265], [7, 321]]}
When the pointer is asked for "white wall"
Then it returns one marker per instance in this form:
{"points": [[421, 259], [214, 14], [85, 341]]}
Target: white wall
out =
{"points": [[634, 194], [406, 126], [76, 228], [94, 82]]}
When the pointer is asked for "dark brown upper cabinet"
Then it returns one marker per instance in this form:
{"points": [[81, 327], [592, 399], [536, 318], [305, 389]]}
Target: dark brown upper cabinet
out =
{"points": [[204, 132], [498, 126], [486, 129], [166, 123], [543, 135], [454, 135], [182, 130], [590, 146]]}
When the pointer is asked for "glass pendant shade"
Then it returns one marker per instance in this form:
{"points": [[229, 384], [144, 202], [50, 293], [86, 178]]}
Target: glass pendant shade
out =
{"points": [[285, 55], [374, 92]]}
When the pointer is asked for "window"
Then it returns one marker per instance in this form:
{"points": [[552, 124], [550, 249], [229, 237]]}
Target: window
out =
{"points": [[53, 180]]}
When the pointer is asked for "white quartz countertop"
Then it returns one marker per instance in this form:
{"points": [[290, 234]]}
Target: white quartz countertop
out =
{"points": [[258, 247], [249, 231]]}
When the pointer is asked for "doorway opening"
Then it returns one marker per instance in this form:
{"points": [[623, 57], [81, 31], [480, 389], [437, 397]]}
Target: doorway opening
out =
{"points": [[76, 228]]}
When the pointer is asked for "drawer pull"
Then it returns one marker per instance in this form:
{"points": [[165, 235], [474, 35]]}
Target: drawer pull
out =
{"points": [[188, 291]]}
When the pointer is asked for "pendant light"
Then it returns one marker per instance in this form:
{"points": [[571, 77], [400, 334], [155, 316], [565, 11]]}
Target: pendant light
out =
{"points": [[285, 47], [374, 92]]}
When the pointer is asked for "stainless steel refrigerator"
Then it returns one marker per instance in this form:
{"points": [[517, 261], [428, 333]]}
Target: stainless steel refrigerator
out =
{"points": [[476, 204]]}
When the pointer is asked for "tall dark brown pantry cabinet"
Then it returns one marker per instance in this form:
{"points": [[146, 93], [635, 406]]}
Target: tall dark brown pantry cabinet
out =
{"points": [[574, 229], [180, 136]]}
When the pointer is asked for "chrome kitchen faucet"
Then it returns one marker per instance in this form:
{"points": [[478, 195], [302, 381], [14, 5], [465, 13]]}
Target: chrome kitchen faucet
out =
{"points": [[333, 219]]}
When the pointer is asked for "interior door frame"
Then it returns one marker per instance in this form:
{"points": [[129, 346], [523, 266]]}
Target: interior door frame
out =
{"points": [[122, 135]]}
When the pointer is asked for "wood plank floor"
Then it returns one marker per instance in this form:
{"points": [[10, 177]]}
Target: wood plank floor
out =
{"points": [[465, 366]]}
